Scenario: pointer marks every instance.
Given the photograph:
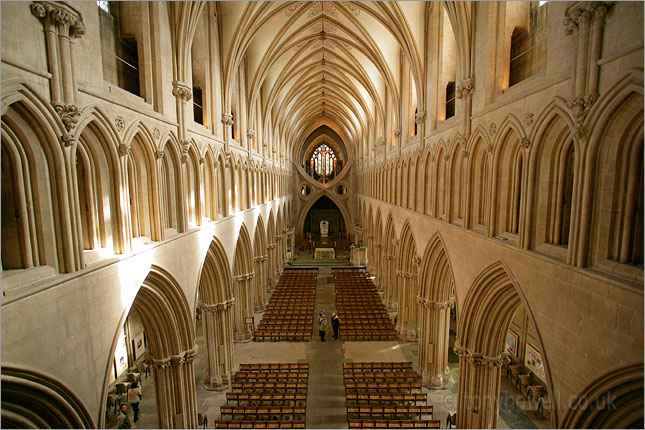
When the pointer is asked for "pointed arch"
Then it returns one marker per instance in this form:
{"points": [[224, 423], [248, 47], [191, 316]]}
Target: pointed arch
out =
{"points": [[215, 302], [32, 399], [243, 275], [260, 265], [485, 318], [407, 272], [615, 400]]}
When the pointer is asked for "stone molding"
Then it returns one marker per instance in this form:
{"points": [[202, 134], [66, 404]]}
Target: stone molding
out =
{"points": [[250, 134], [406, 275], [260, 258], [124, 149], [173, 360], [159, 154], [271, 246], [420, 117]]}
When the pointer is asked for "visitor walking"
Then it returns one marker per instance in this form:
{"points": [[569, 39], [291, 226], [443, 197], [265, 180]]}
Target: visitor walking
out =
{"points": [[322, 325], [335, 324], [134, 395]]}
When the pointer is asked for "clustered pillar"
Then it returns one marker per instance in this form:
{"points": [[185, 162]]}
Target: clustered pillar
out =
{"points": [[175, 390], [218, 329], [434, 342], [260, 288], [243, 289], [407, 318], [479, 383]]}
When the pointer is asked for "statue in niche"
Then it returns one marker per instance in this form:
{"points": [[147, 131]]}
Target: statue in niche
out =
{"points": [[324, 228]]}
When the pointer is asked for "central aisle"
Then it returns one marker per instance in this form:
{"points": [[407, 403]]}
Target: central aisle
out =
{"points": [[326, 393]]}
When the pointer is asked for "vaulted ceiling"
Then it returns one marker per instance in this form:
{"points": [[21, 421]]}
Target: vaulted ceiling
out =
{"points": [[314, 64]]}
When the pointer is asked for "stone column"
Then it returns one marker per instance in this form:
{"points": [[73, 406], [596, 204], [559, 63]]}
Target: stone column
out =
{"points": [[465, 90], [479, 382], [271, 266], [244, 309], [175, 390], [388, 288], [218, 339], [379, 267], [434, 342], [407, 325], [260, 286]]}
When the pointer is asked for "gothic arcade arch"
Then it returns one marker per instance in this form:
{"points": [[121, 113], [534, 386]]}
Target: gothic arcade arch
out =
{"points": [[243, 275], [32, 399], [407, 266]]}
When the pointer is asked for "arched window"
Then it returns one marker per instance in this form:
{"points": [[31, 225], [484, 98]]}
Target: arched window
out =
{"points": [[323, 163]]}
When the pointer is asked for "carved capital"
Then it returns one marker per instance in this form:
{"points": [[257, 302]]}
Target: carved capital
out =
{"points": [[580, 106], [525, 142], [159, 154], [68, 115], [250, 134], [68, 19], [397, 133], [244, 277], [465, 88], [420, 117], [182, 91], [585, 13], [227, 119], [124, 149]]}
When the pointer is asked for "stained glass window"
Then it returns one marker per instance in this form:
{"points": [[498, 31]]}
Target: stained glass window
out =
{"points": [[103, 5], [323, 160]]}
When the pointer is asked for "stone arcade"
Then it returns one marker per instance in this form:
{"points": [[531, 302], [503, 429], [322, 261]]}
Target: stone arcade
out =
{"points": [[159, 160]]}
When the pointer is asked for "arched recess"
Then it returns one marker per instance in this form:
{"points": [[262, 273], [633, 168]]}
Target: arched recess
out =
{"points": [[349, 221], [271, 251], [613, 401], [436, 298], [170, 332], [98, 176], [458, 162], [479, 183], [32, 399], [260, 264], [407, 273], [222, 188], [31, 152], [484, 321], [141, 186], [171, 190], [243, 275], [210, 188], [391, 292], [192, 187], [216, 304], [616, 149], [509, 165], [556, 163]]}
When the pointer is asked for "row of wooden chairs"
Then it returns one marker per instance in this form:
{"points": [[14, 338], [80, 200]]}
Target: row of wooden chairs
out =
{"points": [[377, 365], [363, 335], [396, 399], [288, 314], [394, 424], [357, 299], [266, 335], [269, 387], [383, 387], [274, 367], [389, 412], [382, 376], [289, 424], [263, 413], [267, 399], [271, 376]]}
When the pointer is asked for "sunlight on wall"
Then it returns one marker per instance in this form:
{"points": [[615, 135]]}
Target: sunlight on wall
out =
{"points": [[132, 272]]}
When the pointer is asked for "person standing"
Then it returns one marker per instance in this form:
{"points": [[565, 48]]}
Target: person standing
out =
{"points": [[122, 419], [335, 324], [134, 395], [322, 325]]}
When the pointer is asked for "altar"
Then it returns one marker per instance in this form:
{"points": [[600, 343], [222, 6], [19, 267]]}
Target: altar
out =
{"points": [[325, 254]]}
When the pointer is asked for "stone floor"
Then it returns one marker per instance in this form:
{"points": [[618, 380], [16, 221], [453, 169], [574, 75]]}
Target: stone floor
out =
{"points": [[326, 396]]}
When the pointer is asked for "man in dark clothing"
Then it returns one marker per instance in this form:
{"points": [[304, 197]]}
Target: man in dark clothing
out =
{"points": [[335, 324]]}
